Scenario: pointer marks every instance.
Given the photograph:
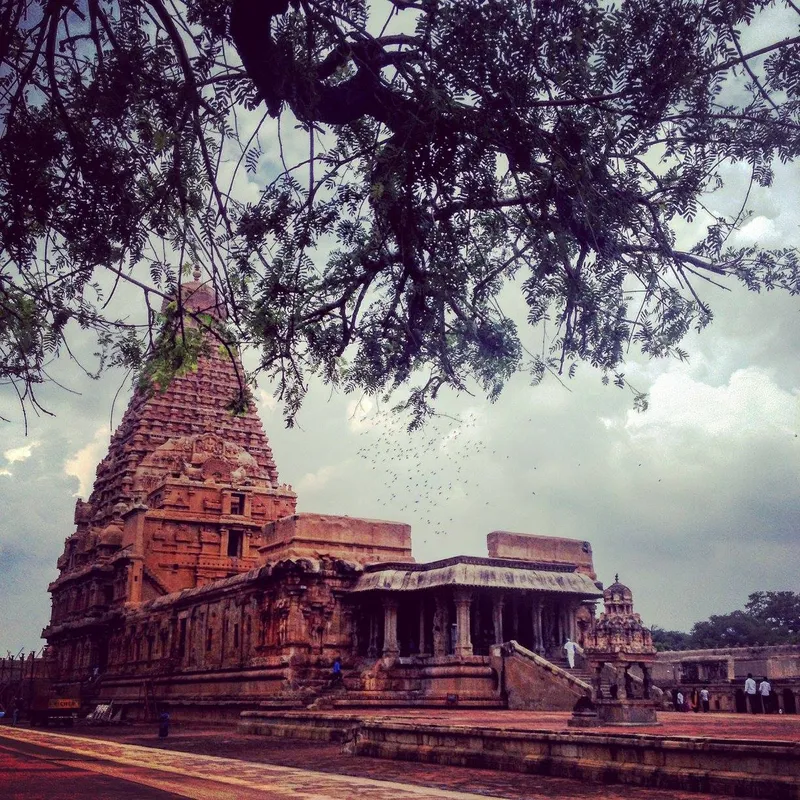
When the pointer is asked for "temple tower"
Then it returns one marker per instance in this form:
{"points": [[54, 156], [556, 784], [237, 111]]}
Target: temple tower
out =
{"points": [[179, 501]]}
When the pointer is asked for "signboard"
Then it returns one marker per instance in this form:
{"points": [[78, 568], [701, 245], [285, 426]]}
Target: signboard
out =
{"points": [[63, 703]]}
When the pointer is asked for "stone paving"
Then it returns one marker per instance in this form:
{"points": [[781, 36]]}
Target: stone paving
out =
{"points": [[200, 776], [241, 766]]}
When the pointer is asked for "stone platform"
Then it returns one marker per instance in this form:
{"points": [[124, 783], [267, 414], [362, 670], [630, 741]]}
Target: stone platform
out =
{"points": [[714, 753]]}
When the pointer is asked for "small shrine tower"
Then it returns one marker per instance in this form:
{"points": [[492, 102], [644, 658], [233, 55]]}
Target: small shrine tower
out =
{"points": [[619, 640]]}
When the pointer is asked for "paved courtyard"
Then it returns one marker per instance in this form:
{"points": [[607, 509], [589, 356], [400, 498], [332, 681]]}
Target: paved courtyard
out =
{"points": [[209, 762]]}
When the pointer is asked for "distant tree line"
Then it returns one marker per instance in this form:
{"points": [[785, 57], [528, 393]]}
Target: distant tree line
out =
{"points": [[767, 618]]}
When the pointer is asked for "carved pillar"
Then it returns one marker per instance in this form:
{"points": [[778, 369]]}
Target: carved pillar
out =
{"points": [[560, 626], [440, 623], [645, 681], [515, 617], [497, 618], [372, 649], [571, 621], [422, 632], [548, 622], [536, 613], [463, 601], [390, 646], [598, 680], [295, 622]]}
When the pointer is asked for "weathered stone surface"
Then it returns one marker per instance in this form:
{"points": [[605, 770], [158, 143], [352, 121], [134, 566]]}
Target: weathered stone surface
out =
{"points": [[363, 540], [532, 547]]}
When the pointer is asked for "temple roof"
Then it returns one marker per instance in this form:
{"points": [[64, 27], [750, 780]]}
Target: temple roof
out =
{"points": [[493, 573]]}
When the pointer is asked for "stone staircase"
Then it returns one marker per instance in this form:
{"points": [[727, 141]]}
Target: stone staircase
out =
{"points": [[588, 676]]}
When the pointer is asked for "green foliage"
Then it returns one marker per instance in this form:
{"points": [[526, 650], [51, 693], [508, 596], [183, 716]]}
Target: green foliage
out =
{"points": [[669, 640], [768, 618], [176, 350], [780, 611], [553, 149]]}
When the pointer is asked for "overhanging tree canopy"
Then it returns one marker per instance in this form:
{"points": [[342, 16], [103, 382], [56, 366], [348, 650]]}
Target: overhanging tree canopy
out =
{"points": [[451, 147]]}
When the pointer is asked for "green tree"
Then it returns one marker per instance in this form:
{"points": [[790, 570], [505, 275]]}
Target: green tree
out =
{"points": [[451, 149], [736, 629], [780, 611], [669, 640]]}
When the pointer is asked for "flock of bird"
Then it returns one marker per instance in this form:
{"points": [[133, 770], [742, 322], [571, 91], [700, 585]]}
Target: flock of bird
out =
{"points": [[429, 471]]}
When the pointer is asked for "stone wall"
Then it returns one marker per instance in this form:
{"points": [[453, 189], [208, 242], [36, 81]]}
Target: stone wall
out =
{"points": [[723, 671], [362, 540], [531, 547]]}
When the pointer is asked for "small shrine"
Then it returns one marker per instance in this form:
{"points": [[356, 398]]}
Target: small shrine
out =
{"points": [[617, 644]]}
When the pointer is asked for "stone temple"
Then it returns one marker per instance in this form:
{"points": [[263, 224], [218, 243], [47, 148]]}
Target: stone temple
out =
{"points": [[190, 579]]}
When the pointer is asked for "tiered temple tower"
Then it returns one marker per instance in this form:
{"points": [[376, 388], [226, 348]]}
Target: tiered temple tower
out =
{"points": [[179, 501]]}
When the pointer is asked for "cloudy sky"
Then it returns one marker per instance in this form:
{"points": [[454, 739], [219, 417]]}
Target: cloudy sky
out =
{"points": [[695, 502]]}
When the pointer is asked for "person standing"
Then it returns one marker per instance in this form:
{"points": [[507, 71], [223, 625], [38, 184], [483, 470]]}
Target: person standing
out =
{"points": [[704, 699], [570, 647], [765, 690], [679, 702], [336, 672], [163, 724], [750, 692]]}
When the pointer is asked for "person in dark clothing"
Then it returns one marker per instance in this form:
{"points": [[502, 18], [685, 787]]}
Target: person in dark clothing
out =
{"points": [[336, 672]]}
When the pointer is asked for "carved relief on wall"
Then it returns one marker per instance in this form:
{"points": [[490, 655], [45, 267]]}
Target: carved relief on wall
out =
{"points": [[203, 457], [317, 606]]}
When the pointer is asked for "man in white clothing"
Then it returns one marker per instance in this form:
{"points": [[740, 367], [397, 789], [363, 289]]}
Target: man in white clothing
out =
{"points": [[765, 689], [570, 647], [750, 692]]}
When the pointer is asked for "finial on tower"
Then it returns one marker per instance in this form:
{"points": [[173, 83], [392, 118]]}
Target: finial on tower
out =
{"points": [[616, 578], [196, 273]]}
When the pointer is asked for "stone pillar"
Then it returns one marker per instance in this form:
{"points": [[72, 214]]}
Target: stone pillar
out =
{"points": [[296, 634], [390, 647], [536, 611], [497, 618], [646, 684], [560, 626], [598, 681], [422, 633], [372, 649], [463, 601], [224, 535], [573, 624], [547, 625], [515, 617], [440, 623]]}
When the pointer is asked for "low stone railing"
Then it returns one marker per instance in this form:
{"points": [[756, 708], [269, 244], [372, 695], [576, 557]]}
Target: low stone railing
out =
{"points": [[517, 649]]}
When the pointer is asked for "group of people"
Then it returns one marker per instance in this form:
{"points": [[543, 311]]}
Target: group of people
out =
{"points": [[693, 700], [759, 697]]}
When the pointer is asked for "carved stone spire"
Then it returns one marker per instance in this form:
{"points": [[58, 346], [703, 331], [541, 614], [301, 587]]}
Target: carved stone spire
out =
{"points": [[193, 404]]}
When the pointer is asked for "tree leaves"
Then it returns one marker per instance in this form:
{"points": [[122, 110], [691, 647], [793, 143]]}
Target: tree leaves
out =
{"points": [[559, 146]]}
